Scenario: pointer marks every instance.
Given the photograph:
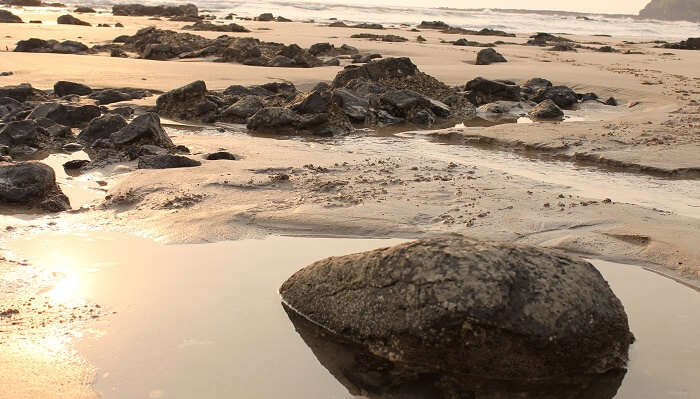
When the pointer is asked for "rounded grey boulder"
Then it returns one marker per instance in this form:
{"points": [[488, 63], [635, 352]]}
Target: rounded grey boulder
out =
{"points": [[31, 184], [480, 309]]}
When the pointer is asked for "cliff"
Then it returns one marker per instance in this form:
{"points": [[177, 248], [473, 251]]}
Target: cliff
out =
{"points": [[673, 10]]}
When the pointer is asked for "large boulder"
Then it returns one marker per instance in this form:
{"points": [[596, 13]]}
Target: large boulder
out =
{"points": [[71, 20], [31, 185], [144, 129], [66, 114], [63, 88], [102, 128], [186, 103], [489, 56], [563, 96], [547, 109], [9, 18], [484, 91], [468, 308]]}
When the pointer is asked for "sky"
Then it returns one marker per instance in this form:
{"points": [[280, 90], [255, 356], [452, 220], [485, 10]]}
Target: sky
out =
{"points": [[601, 6]]}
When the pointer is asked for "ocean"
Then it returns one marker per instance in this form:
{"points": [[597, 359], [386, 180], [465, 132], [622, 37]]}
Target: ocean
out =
{"points": [[516, 22]]}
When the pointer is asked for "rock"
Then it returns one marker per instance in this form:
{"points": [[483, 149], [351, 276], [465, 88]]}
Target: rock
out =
{"points": [[66, 114], [433, 25], [332, 62], [19, 93], [281, 61], [611, 101], [9, 18], [72, 147], [184, 10], [382, 38], [484, 91], [274, 120], [388, 68], [322, 49], [110, 96], [144, 129], [265, 17], [101, 128], [121, 39], [63, 88], [82, 10], [126, 112], [29, 185], [313, 102], [673, 10], [71, 20], [500, 110], [403, 103], [221, 155], [468, 308], [166, 161], [34, 45], [353, 105], [536, 84], [118, 53], [9, 107], [242, 109], [76, 164], [186, 103], [24, 132], [606, 49], [208, 26], [547, 109], [488, 56], [563, 96], [562, 47], [364, 59]]}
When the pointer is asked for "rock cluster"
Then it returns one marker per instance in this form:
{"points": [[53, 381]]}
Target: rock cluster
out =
{"points": [[445, 28], [185, 10], [464, 310]]}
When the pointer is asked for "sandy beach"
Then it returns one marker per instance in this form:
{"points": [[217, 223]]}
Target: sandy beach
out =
{"points": [[611, 183]]}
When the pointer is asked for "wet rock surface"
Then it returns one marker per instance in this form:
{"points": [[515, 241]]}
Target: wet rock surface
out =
{"points": [[468, 308]]}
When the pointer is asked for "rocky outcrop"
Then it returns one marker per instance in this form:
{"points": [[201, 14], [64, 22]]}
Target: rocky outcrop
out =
{"points": [[71, 20], [673, 10], [489, 56], [208, 26], [458, 307], [21, 92], [692, 43], [30, 186], [483, 91], [101, 128], [189, 102], [185, 10], [9, 18]]}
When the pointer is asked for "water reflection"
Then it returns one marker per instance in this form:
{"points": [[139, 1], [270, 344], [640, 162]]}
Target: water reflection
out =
{"points": [[364, 374]]}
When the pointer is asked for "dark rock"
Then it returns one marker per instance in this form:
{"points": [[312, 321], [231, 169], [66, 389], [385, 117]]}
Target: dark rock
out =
{"points": [[76, 164], [332, 62], [121, 39], [66, 114], [63, 88], [692, 43], [144, 129], [29, 185], [382, 38], [433, 25], [126, 112], [186, 103], [71, 20], [24, 132], [536, 84], [221, 155], [163, 11], [9, 18], [563, 96], [606, 49], [117, 53], [110, 96], [81, 10], [313, 102], [352, 105], [101, 128], [20, 92], [403, 103], [322, 49], [388, 68], [281, 61], [166, 161], [562, 47], [587, 97], [208, 26], [611, 101], [468, 308], [72, 147], [484, 91], [9, 107], [242, 109], [274, 120], [265, 17], [51, 46], [488, 56], [547, 109]]}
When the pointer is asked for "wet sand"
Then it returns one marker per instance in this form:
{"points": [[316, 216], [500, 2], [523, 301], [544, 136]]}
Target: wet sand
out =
{"points": [[180, 307]]}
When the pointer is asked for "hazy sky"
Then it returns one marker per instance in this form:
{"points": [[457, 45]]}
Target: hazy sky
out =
{"points": [[603, 6]]}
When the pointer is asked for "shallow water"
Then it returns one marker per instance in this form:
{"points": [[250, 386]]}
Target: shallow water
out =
{"points": [[205, 320]]}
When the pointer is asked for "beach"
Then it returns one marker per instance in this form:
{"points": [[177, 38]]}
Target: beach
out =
{"points": [[614, 183]]}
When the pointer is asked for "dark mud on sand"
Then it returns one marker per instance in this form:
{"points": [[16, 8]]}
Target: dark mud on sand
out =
{"points": [[205, 320]]}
